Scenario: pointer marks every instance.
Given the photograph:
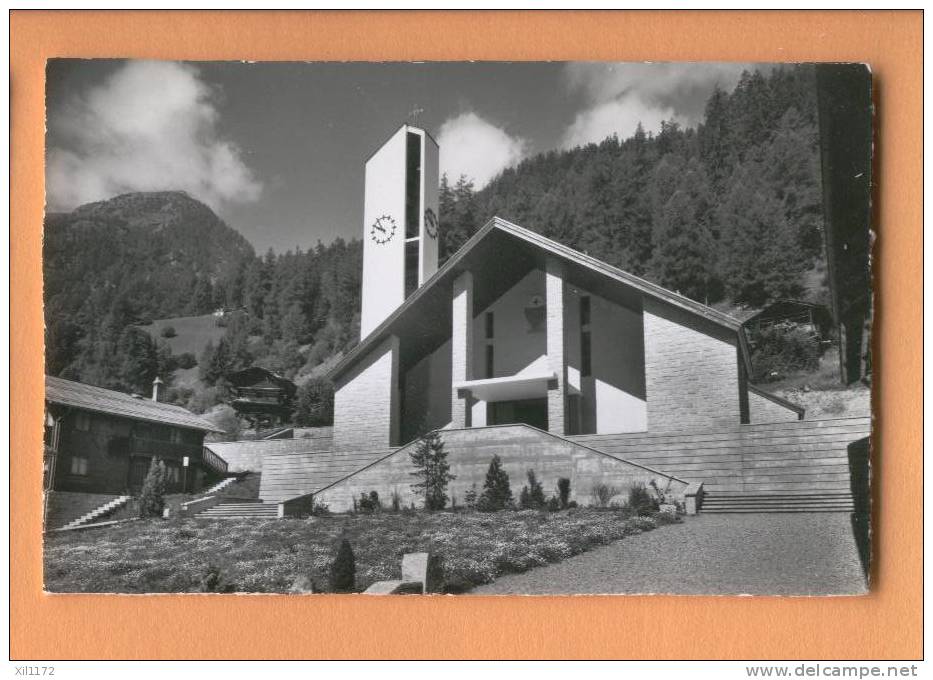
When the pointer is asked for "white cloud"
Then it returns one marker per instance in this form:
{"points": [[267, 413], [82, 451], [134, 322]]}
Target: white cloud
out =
{"points": [[616, 117], [151, 126], [620, 95], [472, 146]]}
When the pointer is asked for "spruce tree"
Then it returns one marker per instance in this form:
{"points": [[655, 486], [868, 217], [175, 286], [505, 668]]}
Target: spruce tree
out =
{"points": [[497, 492], [430, 461]]}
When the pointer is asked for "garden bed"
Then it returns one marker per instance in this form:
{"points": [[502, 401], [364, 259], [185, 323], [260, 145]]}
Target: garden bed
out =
{"points": [[192, 555]]}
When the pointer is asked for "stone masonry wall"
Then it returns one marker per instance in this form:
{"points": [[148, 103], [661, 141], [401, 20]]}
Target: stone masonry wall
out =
{"points": [[366, 401], [691, 371], [520, 448]]}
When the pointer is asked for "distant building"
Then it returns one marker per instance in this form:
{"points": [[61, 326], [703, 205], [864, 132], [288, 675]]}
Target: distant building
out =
{"points": [[808, 316], [263, 398], [102, 442]]}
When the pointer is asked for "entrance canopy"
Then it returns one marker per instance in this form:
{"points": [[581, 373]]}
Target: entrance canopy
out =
{"points": [[508, 388]]}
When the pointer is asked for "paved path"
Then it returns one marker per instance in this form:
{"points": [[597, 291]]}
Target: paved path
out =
{"points": [[756, 554]]}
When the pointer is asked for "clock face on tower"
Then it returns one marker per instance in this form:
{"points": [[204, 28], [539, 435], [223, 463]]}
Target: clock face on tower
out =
{"points": [[383, 229], [430, 223]]}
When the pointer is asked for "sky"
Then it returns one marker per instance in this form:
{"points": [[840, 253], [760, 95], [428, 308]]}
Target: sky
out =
{"points": [[277, 149]]}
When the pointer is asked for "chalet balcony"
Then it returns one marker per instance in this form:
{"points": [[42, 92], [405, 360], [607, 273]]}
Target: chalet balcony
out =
{"points": [[158, 448], [143, 446]]}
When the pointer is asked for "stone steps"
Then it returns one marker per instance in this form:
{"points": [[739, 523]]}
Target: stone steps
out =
{"points": [[721, 503], [97, 513], [239, 509], [801, 457]]}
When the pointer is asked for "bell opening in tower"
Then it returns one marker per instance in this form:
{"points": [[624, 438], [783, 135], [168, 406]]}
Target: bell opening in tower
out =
{"points": [[413, 186]]}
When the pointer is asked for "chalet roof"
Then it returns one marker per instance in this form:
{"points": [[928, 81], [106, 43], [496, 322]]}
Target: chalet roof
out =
{"points": [[787, 306], [591, 266], [257, 374], [100, 400]]}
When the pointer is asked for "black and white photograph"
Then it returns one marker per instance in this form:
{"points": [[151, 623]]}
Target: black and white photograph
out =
{"points": [[464, 328]]}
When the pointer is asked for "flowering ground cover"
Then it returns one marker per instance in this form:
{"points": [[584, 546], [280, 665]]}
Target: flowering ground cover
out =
{"points": [[192, 555]]}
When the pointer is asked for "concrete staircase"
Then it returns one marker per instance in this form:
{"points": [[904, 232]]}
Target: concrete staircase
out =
{"points": [[255, 509], [219, 486], [723, 502], [97, 513], [794, 466]]}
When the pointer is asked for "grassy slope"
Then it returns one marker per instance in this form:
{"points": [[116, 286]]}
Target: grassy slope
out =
{"points": [[267, 556], [193, 332]]}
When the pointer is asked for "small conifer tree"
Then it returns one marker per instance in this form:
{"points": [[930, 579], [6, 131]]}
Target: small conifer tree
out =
{"points": [[430, 461], [497, 492], [563, 491], [152, 496], [343, 569], [532, 496]]}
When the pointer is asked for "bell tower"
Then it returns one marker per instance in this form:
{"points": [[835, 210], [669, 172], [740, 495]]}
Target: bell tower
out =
{"points": [[399, 223]]}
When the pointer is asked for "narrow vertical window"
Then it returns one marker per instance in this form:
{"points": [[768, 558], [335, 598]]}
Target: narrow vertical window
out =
{"points": [[586, 349], [490, 327], [411, 267], [585, 310], [490, 361], [586, 367]]}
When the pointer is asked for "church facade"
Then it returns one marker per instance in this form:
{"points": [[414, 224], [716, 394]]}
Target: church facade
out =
{"points": [[517, 328]]}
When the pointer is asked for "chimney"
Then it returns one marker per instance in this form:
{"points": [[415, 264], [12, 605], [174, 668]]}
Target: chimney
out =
{"points": [[156, 386]]}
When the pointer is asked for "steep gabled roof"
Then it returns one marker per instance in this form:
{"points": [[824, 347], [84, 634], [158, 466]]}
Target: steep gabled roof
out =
{"points": [[548, 246], [100, 400]]}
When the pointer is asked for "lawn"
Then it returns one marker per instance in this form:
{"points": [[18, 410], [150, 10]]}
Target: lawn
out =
{"points": [[192, 555], [192, 332]]}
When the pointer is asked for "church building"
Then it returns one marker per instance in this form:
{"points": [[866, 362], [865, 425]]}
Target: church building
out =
{"points": [[555, 362], [517, 328]]}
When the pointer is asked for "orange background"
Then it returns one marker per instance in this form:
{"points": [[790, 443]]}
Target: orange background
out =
{"points": [[885, 624]]}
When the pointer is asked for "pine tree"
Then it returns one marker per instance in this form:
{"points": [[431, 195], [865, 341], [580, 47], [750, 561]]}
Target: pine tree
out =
{"points": [[684, 257], [497, 492], [430, 461], [762, 260]]}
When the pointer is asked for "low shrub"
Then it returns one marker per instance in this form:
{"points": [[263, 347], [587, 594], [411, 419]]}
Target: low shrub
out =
{"points": [[186, 360], [778, 352], [214, 581], [640, 500], [553, 505], [369, 503], [169, 332], [602, 494], [320, 509]]}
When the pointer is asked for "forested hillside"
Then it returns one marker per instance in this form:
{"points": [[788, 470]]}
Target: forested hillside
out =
{"points": [[728, 213], [112, 266]]}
